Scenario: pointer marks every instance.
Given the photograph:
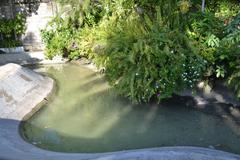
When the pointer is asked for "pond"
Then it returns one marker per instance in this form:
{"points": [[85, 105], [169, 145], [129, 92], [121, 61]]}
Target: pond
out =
{"points": [[87, 116]]}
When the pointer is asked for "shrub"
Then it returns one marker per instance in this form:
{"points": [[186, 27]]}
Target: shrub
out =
{"points": [[207, 30], [58, 37], [229, 55], [11, 30], [150, 48], [149, 61]]}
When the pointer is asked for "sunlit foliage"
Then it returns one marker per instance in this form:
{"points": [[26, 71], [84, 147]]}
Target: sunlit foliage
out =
{"points": [[150, 49]]}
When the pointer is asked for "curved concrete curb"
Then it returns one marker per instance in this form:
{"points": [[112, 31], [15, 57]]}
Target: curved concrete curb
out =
{"points": [[13, 147]]}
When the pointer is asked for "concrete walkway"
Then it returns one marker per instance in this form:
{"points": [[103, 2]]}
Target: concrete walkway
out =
{"points": [[29, 58], [22, 89]]}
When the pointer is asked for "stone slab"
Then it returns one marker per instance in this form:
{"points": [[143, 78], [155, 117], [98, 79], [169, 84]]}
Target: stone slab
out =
{"points": [[21, 90]]}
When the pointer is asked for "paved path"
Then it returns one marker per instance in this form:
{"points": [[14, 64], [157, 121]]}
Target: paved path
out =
{"points": [[31, 89], [25, 58]]}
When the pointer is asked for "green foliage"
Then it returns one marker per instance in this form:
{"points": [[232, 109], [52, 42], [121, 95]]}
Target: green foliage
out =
{"points": [[232, 32], [212, 41], [10, 28], [229, 54], [64, 30], [8, 43], [58, 37], [219, 44], [17, 25], [150, 61], [149, 48], [143, 59], [227, 9], [220, 72], [207, 30]]}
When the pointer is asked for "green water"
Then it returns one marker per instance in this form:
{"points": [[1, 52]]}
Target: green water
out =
{"points": [[87, 116]]}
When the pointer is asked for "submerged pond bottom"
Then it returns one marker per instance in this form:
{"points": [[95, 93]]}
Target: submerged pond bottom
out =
{"points": [[86, 115]]}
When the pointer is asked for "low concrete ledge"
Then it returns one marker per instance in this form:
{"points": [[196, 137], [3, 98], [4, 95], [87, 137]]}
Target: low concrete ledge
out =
{"points": [[22, 89]]}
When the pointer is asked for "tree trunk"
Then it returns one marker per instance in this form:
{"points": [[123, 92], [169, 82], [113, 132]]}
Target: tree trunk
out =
{"points": [[203, 6]]}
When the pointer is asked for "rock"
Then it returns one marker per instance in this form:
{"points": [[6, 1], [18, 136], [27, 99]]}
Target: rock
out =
{"points": [[201, 101], [219, 93], [207, 89], [82, 61], [235, 112], [21, 89]]}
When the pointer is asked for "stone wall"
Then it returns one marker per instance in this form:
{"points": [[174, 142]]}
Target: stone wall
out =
{"points": [[37, 21], [5, 9], [38, 12]]}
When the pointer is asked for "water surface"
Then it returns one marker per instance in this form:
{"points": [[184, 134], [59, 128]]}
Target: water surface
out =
{"points": [[86, 115]]}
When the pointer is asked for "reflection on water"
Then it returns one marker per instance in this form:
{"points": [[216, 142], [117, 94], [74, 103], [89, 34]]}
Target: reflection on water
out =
{"points": [[86, 115]]}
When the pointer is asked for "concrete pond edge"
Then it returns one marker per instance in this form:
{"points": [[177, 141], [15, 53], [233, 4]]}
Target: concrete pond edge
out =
{"points": [[13, 147]]}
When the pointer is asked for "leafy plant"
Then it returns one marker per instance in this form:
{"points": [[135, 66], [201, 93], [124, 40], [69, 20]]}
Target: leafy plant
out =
{"points": [[212, 41], [8, 43], [207, 30], [149, 61], [220, 72], [229, 54], [11, 29], [58, 37], [149, 49]]}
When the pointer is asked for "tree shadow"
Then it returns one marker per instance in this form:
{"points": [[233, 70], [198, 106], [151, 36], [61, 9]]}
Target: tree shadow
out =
{"points": [[27, 7], [29, 37], [18, 58]]}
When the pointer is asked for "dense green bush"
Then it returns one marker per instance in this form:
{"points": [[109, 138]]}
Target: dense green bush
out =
{"points": [[60, 34], [217, 34], [150, 49], [207, 31], [144, 58], [11, 29], [150, 61], [229, 53], [58, 37]]}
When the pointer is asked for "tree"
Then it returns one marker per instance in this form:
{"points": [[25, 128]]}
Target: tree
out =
{"points": [[203, 5]]}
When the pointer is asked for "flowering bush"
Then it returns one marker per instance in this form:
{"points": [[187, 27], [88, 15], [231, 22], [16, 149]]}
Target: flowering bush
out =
{"points": [[150, 48], [150, 62]]}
